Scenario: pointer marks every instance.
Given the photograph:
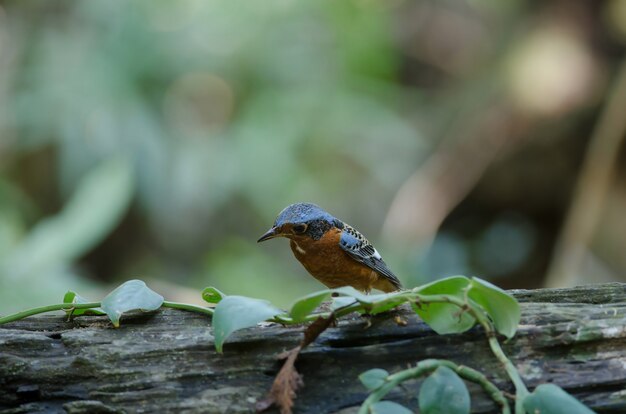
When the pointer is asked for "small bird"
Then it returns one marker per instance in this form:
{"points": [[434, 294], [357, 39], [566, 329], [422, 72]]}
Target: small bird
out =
{"points": [[331, 251]]}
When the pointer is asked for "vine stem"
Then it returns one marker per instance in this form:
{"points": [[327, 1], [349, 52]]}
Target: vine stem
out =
{"points": [[188, 307], [520, 387], [344, 310], [71, 306], [426, 367], [409, 296], [49, 308], [412, 296], [521, 391]]}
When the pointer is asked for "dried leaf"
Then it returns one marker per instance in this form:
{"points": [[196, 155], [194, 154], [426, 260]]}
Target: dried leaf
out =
{"points": [[285, 385], [288, 380]]}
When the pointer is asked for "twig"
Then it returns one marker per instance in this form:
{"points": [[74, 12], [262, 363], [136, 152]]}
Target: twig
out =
{"points": [[591, 190], [188, 307], [427, 197]]}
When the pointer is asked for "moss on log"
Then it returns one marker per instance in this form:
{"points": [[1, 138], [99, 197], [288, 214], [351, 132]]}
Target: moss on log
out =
{"points": [[165, 361]]}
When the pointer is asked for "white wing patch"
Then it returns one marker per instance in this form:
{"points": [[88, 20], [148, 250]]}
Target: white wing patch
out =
{"points": [[376, 255]]}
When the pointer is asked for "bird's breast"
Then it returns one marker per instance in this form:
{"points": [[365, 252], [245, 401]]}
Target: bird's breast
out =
{"points": [[321, 256], [325, 260], [318, 253]]}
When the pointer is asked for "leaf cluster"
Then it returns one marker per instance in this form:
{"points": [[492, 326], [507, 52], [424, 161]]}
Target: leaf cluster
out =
{"points": [[451, 305]]}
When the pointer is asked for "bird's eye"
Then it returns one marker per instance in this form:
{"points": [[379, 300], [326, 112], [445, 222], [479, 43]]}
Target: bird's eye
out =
{"points": [[299, 228]]}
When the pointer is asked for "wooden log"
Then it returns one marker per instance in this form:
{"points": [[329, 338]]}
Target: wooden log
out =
{"points": [[165, 361]]}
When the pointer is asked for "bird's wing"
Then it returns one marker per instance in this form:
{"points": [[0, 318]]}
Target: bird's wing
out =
{"points": [[357, 246]]}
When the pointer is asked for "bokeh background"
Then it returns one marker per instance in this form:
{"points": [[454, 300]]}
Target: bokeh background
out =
{"points": [[158, 140]]}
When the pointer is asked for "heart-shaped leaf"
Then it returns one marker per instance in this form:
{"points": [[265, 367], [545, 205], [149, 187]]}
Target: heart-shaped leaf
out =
{"points": [[501, 307], [373, 378], [238, 312], [131, 295], [73, 297], [353, 293], [445, 318], [303, 306], [383, 303], [372, 304], [443, 392], [551, 399], [342, 301], [389, 407], [212, 295]]}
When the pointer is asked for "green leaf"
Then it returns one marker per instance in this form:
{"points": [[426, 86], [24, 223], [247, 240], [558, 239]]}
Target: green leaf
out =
{"points": [[389, 407], [131, 295], [445, 318], [342, 301], [238, 312], [372, 304], [353, 293], [73, 297], [443, 392], [501, 307], [373, 378], [347, 296], [212, 295], [305, 305], [551, 399], [387, 301]]}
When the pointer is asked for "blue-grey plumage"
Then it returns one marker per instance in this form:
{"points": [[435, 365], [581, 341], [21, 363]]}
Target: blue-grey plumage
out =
{"points": [[302, 213], [331, 250]]}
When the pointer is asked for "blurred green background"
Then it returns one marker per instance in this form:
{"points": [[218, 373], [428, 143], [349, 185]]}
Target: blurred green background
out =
{"points": [[158, 140]]}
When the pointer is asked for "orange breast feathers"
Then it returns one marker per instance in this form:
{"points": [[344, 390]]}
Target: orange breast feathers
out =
{"points": [[325, 260]]}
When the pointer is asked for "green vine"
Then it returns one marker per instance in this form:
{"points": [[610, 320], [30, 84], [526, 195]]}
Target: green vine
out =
{"points": [[50, 308], [451, 305], [426, 367]]}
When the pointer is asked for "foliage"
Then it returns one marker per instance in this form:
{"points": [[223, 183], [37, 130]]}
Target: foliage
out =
{"points": [[237, 312], [100, 200], [444, 317], [501, 308], [443, 392], [74, 298], [212, 295], [468, 301], [389, 407], [550, 398], [131, 295], [304, 306], [374, 378]]}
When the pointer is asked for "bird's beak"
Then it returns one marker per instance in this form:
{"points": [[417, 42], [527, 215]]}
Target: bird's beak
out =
{"points": [[270, 234]]}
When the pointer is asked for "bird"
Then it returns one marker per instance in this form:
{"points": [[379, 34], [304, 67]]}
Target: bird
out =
{"points": [[332, 251]]}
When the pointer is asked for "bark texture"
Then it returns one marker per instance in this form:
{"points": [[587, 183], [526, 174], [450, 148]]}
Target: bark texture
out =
{"points": [[165, 361]]}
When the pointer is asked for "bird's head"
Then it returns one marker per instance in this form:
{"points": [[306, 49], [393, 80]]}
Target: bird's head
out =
{"points": [[301, 220]]}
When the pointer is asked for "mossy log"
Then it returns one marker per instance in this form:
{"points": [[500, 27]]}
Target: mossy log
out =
{"points": [[165, 361]]}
